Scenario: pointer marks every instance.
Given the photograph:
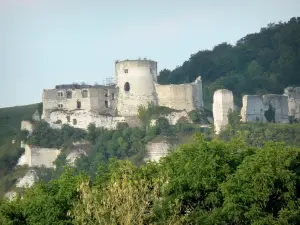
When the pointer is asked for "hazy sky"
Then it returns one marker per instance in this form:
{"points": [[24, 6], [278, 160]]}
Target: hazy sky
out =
{"points": [[49, 42]]}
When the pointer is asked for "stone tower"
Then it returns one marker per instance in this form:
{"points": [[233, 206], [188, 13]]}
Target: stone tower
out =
{"points": [[136, 83], [223, 102]]}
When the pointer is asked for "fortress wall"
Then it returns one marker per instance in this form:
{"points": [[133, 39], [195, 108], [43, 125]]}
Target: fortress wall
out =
{"points": [[173, 117], [178, 97], [99, 96], [27, 125], [157, 150], [222, 103], [82, 118], [37, 156], [197, 93], [253, 109], [135, 82], [293, 94], [280, 104], [182, 96]]}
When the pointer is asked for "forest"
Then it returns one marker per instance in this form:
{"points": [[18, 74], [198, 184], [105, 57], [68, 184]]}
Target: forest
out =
{"points": [[259, 63], [248, 174]]}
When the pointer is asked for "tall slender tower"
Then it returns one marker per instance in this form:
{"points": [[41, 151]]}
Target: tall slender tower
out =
{"points": [[135, 81]]}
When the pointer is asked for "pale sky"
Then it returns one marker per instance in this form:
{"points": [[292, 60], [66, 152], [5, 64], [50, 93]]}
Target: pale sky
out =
{"points": [[49, 42]]}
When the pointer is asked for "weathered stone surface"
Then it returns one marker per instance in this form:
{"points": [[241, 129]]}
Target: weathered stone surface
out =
{"points": [[28, 180], [156, 150], [174, 117], [36, 116], [135, 80], [280, 104], [293, 94], [253, 109], [74, 155], [37, 156], [27, 125], [182, 96], [11, 195], [82, 119], [222, 103]]}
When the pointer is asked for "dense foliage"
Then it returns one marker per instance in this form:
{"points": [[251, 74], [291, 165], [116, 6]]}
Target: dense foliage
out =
{"points": [[264, 62], [204, 182]]}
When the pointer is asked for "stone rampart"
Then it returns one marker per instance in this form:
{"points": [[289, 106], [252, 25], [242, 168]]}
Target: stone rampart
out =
{"points": [[37, 156], [82, 118], [253, 109], [279, 104], [182, 96]]}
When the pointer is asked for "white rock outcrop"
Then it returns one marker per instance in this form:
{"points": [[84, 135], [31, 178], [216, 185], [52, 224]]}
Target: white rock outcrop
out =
{"points": [[28, 180], [222, 103], [11, 195], [74, 155]]}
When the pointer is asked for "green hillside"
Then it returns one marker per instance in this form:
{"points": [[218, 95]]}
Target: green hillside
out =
{"points": [[10, 127], [264, 62]]}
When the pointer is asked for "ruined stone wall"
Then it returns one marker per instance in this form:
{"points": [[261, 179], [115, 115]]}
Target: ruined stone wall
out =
{"points": [[173, 118], [293, 94], [135, 82], [82, 118], [279, 104], [37, 156], [253, 109], [27, 125], [222, 103], [156, 150], [181, 97], [93, 99]]}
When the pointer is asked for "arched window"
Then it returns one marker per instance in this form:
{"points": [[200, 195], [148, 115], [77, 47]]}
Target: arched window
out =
{"points": [[74, 121], [126, 86]]}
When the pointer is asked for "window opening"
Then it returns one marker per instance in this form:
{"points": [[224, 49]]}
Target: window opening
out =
{"points": [[127, 86], [112, 96], [106, 103], [84, 93], [125, 70], [68, 118], [69, 94], [78, 104], [60, 94], [74, 121]]}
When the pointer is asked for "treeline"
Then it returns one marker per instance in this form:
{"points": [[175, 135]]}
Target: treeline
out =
{"points": [[259, 63], [203, 182]]}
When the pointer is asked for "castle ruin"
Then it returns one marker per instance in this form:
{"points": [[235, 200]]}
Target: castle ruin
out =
{"points": [[107, 105]]}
